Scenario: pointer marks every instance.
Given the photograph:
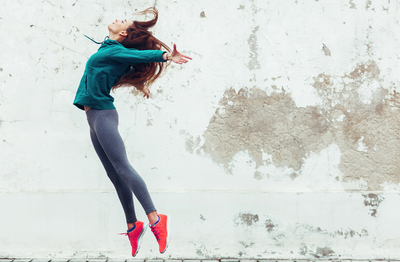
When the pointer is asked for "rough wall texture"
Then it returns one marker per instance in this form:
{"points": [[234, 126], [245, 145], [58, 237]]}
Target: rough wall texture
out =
{"points": [[367, 133], [279, 140]]}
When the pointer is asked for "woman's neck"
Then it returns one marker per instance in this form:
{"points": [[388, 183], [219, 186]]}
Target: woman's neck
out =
{"points": [[113, 37]]}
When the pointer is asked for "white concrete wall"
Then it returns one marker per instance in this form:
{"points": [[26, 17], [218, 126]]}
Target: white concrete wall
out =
{"points": [[279, 140]]}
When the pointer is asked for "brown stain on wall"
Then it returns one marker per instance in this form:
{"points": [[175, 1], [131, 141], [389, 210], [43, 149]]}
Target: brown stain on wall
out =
{"points": [[342, 233], [246, 219], [372, 201], [246, 245], [368, 5], [323, 252], [376, 124], [352, 5], [256, 122], [326, 50], [269, 225], [253, 121], [253, 45]]}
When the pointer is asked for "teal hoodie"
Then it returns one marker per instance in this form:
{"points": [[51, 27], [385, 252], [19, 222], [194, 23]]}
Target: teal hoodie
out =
{"points": [[103, 70]]}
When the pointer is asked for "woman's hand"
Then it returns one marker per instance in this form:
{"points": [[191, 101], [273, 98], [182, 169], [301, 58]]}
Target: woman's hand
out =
{"points": [[177, 57], [146, 92]]}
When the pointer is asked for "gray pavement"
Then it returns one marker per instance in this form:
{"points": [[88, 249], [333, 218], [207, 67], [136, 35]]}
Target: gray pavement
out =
{"points": [[184, 260]]}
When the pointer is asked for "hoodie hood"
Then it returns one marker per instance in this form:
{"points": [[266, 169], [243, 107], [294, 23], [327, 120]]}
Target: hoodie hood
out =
{"points": [[109, 42]]}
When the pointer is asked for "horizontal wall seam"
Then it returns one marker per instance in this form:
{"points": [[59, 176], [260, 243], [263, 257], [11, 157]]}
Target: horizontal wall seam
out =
{"points": [[198, 191]]}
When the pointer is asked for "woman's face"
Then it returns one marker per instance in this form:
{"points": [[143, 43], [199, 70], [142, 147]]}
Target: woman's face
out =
{"points": [[119, 26]]}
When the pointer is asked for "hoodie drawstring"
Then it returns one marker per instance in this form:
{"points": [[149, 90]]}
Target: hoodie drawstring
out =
{"points": [[99, 43]]}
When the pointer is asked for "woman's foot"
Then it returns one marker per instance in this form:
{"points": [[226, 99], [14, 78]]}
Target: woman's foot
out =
{"points": [[135, 236], [160, 230]]}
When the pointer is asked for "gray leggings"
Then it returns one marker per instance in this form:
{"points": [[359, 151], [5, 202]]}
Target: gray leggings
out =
{"points": [[110, 148]]}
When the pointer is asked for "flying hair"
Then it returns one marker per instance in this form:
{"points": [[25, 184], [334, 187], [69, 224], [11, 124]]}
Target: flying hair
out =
{"points": [[144, 74]]}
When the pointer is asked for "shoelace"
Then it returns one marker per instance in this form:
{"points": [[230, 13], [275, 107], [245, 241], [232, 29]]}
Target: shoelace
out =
{"points": [[99, 43], [156, 233], [124, 234]]}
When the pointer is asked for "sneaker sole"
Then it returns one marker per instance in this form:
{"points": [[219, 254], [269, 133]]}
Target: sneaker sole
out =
{"points": [[140, 239], [168, 234]]}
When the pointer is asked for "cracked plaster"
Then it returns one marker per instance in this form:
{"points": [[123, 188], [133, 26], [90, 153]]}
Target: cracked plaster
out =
{"points": [[251, 120]]}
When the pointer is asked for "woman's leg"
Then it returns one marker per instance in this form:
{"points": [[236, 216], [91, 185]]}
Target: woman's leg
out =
{"points": [[111, 150], [104, 123], [123, 190], [153, 217]]}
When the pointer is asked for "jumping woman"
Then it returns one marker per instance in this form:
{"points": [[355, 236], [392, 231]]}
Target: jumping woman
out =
{"points": [[131, 56]]}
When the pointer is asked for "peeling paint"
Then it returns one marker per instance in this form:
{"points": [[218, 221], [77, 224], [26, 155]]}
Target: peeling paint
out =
{"points": [[251, 120], [253, 44], [326, 50], [343, 233], [372, 201], [202, 251], [192, 143], [368, 4], [279, 239], [303, 250], [351, 233], [293, 175], [323, 252], [258, 175], [269, 225], [246, 245], [371, 117], [246, 219], [352, 5], [257, 122]]}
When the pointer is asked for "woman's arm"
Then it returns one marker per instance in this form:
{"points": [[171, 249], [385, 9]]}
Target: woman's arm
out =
{"points": [[132, 56], [176, 57]]}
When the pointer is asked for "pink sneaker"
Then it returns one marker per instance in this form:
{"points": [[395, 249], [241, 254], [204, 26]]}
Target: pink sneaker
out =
{"points": [[135, 236], [161, 232]]}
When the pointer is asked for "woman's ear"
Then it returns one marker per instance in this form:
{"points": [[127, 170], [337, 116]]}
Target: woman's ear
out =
{"points": [[123, 33]]}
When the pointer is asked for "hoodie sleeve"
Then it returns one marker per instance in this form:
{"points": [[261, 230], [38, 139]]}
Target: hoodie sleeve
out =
{"points": [[133, 56]]}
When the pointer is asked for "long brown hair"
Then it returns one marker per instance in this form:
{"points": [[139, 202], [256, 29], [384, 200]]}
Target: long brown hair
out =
{"points": [[143, 74]]}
